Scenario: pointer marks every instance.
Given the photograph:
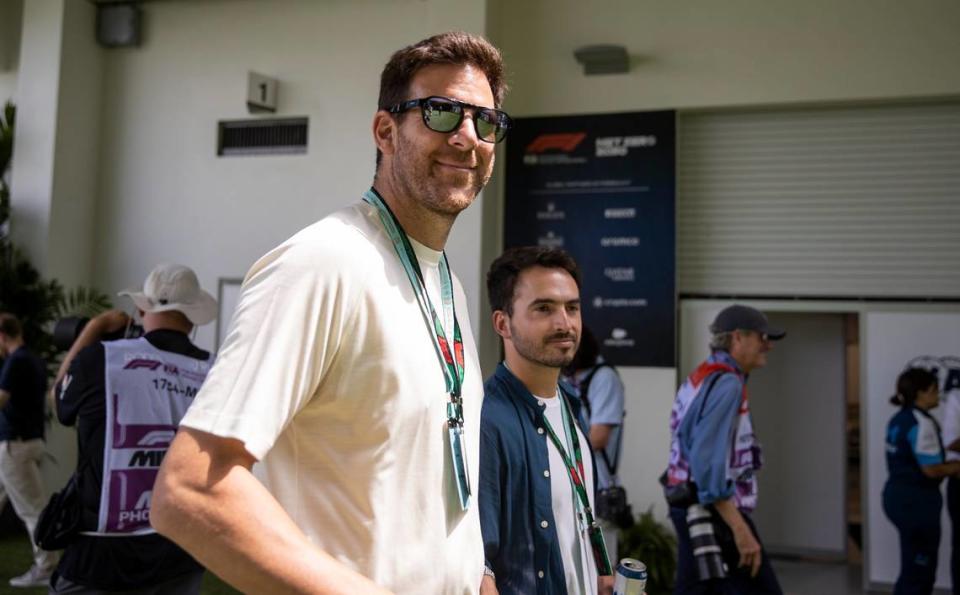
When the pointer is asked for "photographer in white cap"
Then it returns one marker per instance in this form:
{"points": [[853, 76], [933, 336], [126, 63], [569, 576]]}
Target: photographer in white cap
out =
{"points": [[151, 380]]}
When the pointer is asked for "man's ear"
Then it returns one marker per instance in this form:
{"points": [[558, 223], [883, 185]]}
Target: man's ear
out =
{"points": [[385, 131], [501, 323]]}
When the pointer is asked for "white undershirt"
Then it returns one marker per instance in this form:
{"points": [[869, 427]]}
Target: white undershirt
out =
{"points": [[429, 260], [575, 551]]}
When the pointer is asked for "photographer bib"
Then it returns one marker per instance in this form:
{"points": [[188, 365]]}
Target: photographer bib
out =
{"points": [[148, 391]]}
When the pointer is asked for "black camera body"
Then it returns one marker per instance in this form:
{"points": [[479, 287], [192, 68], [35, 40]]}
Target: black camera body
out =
{"points": [[67, 329]]}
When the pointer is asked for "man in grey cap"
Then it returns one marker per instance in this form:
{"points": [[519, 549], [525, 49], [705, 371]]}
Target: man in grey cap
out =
{"points": [[714, 457], [151, 380]]}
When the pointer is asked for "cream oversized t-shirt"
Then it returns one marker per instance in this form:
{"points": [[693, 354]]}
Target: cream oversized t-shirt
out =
{"points": [[330, 378]]}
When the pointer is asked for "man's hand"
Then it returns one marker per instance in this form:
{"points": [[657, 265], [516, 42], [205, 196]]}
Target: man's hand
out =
{"points": [[749, 548], [207, 501], [747, 544], [605, 584], [488, 586], [102, 324]]}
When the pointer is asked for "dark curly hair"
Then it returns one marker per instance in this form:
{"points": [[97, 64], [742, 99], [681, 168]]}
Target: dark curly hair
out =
{"points": [[505, 270], [453, 47], [10, 325], [910, 382]]}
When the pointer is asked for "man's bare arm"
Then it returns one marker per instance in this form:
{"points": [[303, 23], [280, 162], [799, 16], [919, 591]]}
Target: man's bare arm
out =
{"points": [[208, 502], [751, 554], [4, 398], [106, 322], [954, 446], [941, 469], [600, 435]]}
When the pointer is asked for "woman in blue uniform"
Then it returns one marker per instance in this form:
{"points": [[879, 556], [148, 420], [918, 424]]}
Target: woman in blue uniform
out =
{"points": [[916, 462]]}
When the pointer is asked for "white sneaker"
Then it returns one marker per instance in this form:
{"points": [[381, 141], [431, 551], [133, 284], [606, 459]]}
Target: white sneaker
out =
{"points": [[35, 577]]}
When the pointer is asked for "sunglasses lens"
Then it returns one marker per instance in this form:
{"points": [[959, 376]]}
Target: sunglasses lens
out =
{"points": [[488, 126], [442, 116]]}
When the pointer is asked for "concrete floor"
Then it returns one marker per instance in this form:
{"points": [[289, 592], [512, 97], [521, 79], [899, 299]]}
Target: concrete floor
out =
{"points": [[823, 578], [818, 578]]}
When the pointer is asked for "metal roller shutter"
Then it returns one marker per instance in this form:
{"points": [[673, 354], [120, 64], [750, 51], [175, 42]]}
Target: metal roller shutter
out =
{"points": [[846, 202]]}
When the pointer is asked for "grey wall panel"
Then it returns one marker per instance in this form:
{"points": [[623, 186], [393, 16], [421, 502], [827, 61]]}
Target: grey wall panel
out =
{"points": [[840, 201], [798, 406]]}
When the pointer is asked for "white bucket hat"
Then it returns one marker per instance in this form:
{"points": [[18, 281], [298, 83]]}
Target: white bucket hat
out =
{"points": [[174, 287]]}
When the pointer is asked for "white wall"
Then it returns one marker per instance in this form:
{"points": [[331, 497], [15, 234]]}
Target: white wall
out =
{"points": [[8, 86], [37, 93], [692, 54], [165, 195], [696, 55], [888, 341], [70, 237]]}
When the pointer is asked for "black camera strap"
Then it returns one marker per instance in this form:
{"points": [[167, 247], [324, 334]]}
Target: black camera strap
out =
{"points": [[584, 391], [706, 392]]}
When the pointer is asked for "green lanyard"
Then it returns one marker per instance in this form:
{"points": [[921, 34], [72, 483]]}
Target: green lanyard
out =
{"points": [[452, 364], [577, 476]]}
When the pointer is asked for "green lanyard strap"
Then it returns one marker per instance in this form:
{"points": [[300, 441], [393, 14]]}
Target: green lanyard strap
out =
{"points": [[577, 476], [451, 362]]}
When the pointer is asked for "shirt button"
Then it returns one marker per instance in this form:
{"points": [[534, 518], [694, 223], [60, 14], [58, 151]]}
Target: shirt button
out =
{"points": [[544, 524], [546, 473], [540, 574], [539, 430]]}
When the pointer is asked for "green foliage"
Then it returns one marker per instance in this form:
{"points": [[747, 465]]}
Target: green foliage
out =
{"points": [[22, 291], [6, 135], [33, 300], [83, 302], [6, 153], [653, 544]]}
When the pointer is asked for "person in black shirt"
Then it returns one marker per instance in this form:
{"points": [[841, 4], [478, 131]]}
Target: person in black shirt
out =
{"points": [[23, 382], [162, 367]]}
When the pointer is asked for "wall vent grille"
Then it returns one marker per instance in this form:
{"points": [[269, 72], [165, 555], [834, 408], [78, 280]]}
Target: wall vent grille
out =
{"points": [[262, 137]]}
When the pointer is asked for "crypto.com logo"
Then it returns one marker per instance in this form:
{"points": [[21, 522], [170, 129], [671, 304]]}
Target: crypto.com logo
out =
{"points": [[947, 369]]}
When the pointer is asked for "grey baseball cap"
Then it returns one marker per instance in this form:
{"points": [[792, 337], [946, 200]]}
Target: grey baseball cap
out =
{"points": [[739, 317]]}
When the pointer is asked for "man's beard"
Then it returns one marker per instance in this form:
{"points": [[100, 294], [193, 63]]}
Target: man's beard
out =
{"points": [[540, 352], [413, 172]]}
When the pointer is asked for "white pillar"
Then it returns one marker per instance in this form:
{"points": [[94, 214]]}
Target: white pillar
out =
{"points": [[54, 170]]}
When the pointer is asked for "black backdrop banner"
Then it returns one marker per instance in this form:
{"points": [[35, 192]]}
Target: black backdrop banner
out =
{"points": [[602, 188]]}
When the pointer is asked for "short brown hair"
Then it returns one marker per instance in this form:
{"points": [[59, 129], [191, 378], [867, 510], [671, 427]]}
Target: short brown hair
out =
{"points": [[453, 47], [10, 325], [505, 270]]}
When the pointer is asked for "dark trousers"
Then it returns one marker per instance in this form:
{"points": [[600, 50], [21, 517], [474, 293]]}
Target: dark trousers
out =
{"points": [[188, 584], [953, 504], [915, 511], [738, 581]]}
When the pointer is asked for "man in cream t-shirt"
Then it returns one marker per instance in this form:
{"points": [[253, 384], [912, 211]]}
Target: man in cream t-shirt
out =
{"points": [[350, 370]]}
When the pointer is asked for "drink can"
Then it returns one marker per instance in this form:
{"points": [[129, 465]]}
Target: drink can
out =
{"points": [[630, 578]]}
